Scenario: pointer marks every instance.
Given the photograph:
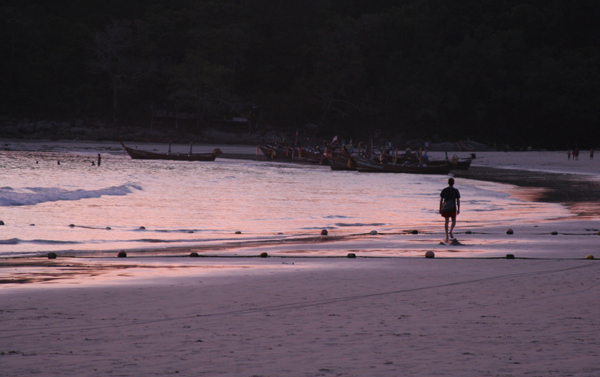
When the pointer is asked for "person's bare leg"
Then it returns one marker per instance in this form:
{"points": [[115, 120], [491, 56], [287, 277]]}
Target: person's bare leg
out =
{"points": [[451, 228], [446, 227]]}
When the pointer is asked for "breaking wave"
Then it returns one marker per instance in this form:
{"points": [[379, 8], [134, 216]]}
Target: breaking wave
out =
{"points": [[36, 195]]}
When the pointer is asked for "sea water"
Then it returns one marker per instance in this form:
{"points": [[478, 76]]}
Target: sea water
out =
{"points": [[60, 200]]}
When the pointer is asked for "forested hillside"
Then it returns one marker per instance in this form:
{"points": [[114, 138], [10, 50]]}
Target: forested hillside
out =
{"points": [[498, 71]]}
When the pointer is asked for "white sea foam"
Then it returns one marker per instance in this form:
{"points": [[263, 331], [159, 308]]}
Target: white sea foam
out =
{"points": [[36, 195]]}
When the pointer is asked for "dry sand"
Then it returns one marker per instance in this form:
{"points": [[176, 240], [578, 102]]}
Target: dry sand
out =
{"points": [[467, 312]]}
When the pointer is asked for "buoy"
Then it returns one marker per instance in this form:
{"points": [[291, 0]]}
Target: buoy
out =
{"points": [[554, 233], [373, 232], [122, 254], [429, 254], [324, 232], [51, 255], [264, 255], [238, 232], [509, 231], [510, 256], [414, 231], [194, 255], [351, 255], [589, 257]]}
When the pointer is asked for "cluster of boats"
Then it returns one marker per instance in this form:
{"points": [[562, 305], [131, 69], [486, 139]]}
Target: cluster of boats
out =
{"points": [[341, 158], [336, 156]]}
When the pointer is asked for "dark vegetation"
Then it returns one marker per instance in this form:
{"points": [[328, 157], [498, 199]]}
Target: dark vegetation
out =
{"points": [[498, 71]]}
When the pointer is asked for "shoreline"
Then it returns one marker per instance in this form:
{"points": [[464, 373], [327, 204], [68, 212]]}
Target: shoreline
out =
{"points": [[468, 312]]}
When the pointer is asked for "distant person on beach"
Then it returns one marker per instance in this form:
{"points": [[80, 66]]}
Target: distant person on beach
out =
{"points": [[576, 154], [99, 159], [592, 154], [449, 206], [568, 154]]}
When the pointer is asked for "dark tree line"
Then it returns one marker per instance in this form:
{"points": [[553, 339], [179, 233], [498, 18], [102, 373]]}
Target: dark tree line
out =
{"points": [[498, 71]]}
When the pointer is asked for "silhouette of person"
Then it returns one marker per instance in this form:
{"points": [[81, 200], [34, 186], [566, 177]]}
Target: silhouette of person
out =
{"points": [[449, 206]]}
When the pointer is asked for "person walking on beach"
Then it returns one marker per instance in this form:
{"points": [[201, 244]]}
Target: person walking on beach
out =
{"points": [[592, 154], [449, 206]]}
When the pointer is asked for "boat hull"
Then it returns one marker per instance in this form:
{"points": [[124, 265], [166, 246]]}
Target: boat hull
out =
{"points": [[367, 166], [138, 154]]}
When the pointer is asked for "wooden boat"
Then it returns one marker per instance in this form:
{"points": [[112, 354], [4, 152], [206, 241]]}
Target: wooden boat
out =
{"points": [[137, 154], [371, 166], [283, 152], [341, 161], [316, 156], [454, 164]]}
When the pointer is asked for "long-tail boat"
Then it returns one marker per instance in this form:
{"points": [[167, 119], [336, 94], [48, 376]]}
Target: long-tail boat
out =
{"points": [[372, 166], [138, 154], [341, 161]]}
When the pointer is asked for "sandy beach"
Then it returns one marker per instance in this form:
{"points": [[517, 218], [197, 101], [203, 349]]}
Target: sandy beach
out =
{"points": [[469, 311]]}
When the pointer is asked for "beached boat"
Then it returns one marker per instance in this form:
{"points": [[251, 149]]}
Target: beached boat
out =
{"points": [[464, 164], [138, 154], [455, 163], [283, 152], [371, 166], [341, 161]]}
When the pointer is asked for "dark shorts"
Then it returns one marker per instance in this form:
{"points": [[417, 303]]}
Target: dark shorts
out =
{"points": [[450, 214]]}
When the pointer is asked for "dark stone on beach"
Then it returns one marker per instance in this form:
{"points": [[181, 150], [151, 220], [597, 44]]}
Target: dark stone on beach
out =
{"points": [[108, 228], [554, 233], [373, 232], [455, 242], [324, 232], [142, 227], [31, 224], [351, 255], [429, 254], [51, 255], [194, 255], [190, 231], [468, 232], [509, 231], [414, 232], [72, 225], [264, 255], [238, 232], [510, 256], [589, 257], [122, 254], [1, 222]]}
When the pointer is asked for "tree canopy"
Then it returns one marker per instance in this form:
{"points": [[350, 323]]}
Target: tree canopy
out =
{"points": [[511, 71]]}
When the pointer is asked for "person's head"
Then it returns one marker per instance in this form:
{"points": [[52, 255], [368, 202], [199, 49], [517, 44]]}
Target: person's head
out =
{"points": [[450, 181]]}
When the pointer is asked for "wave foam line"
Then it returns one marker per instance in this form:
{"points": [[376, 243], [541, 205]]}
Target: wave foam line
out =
{"points": [[37, 195]]}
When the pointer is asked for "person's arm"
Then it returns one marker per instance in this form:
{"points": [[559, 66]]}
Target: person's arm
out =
{"points": [[441, 200], [457, 206]]}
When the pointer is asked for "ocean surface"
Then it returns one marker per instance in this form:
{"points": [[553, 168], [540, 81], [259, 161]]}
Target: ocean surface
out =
{"points": [[59, 200]]}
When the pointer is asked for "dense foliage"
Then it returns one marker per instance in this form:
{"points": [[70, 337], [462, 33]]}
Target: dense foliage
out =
{"points": [[516, 71]]}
